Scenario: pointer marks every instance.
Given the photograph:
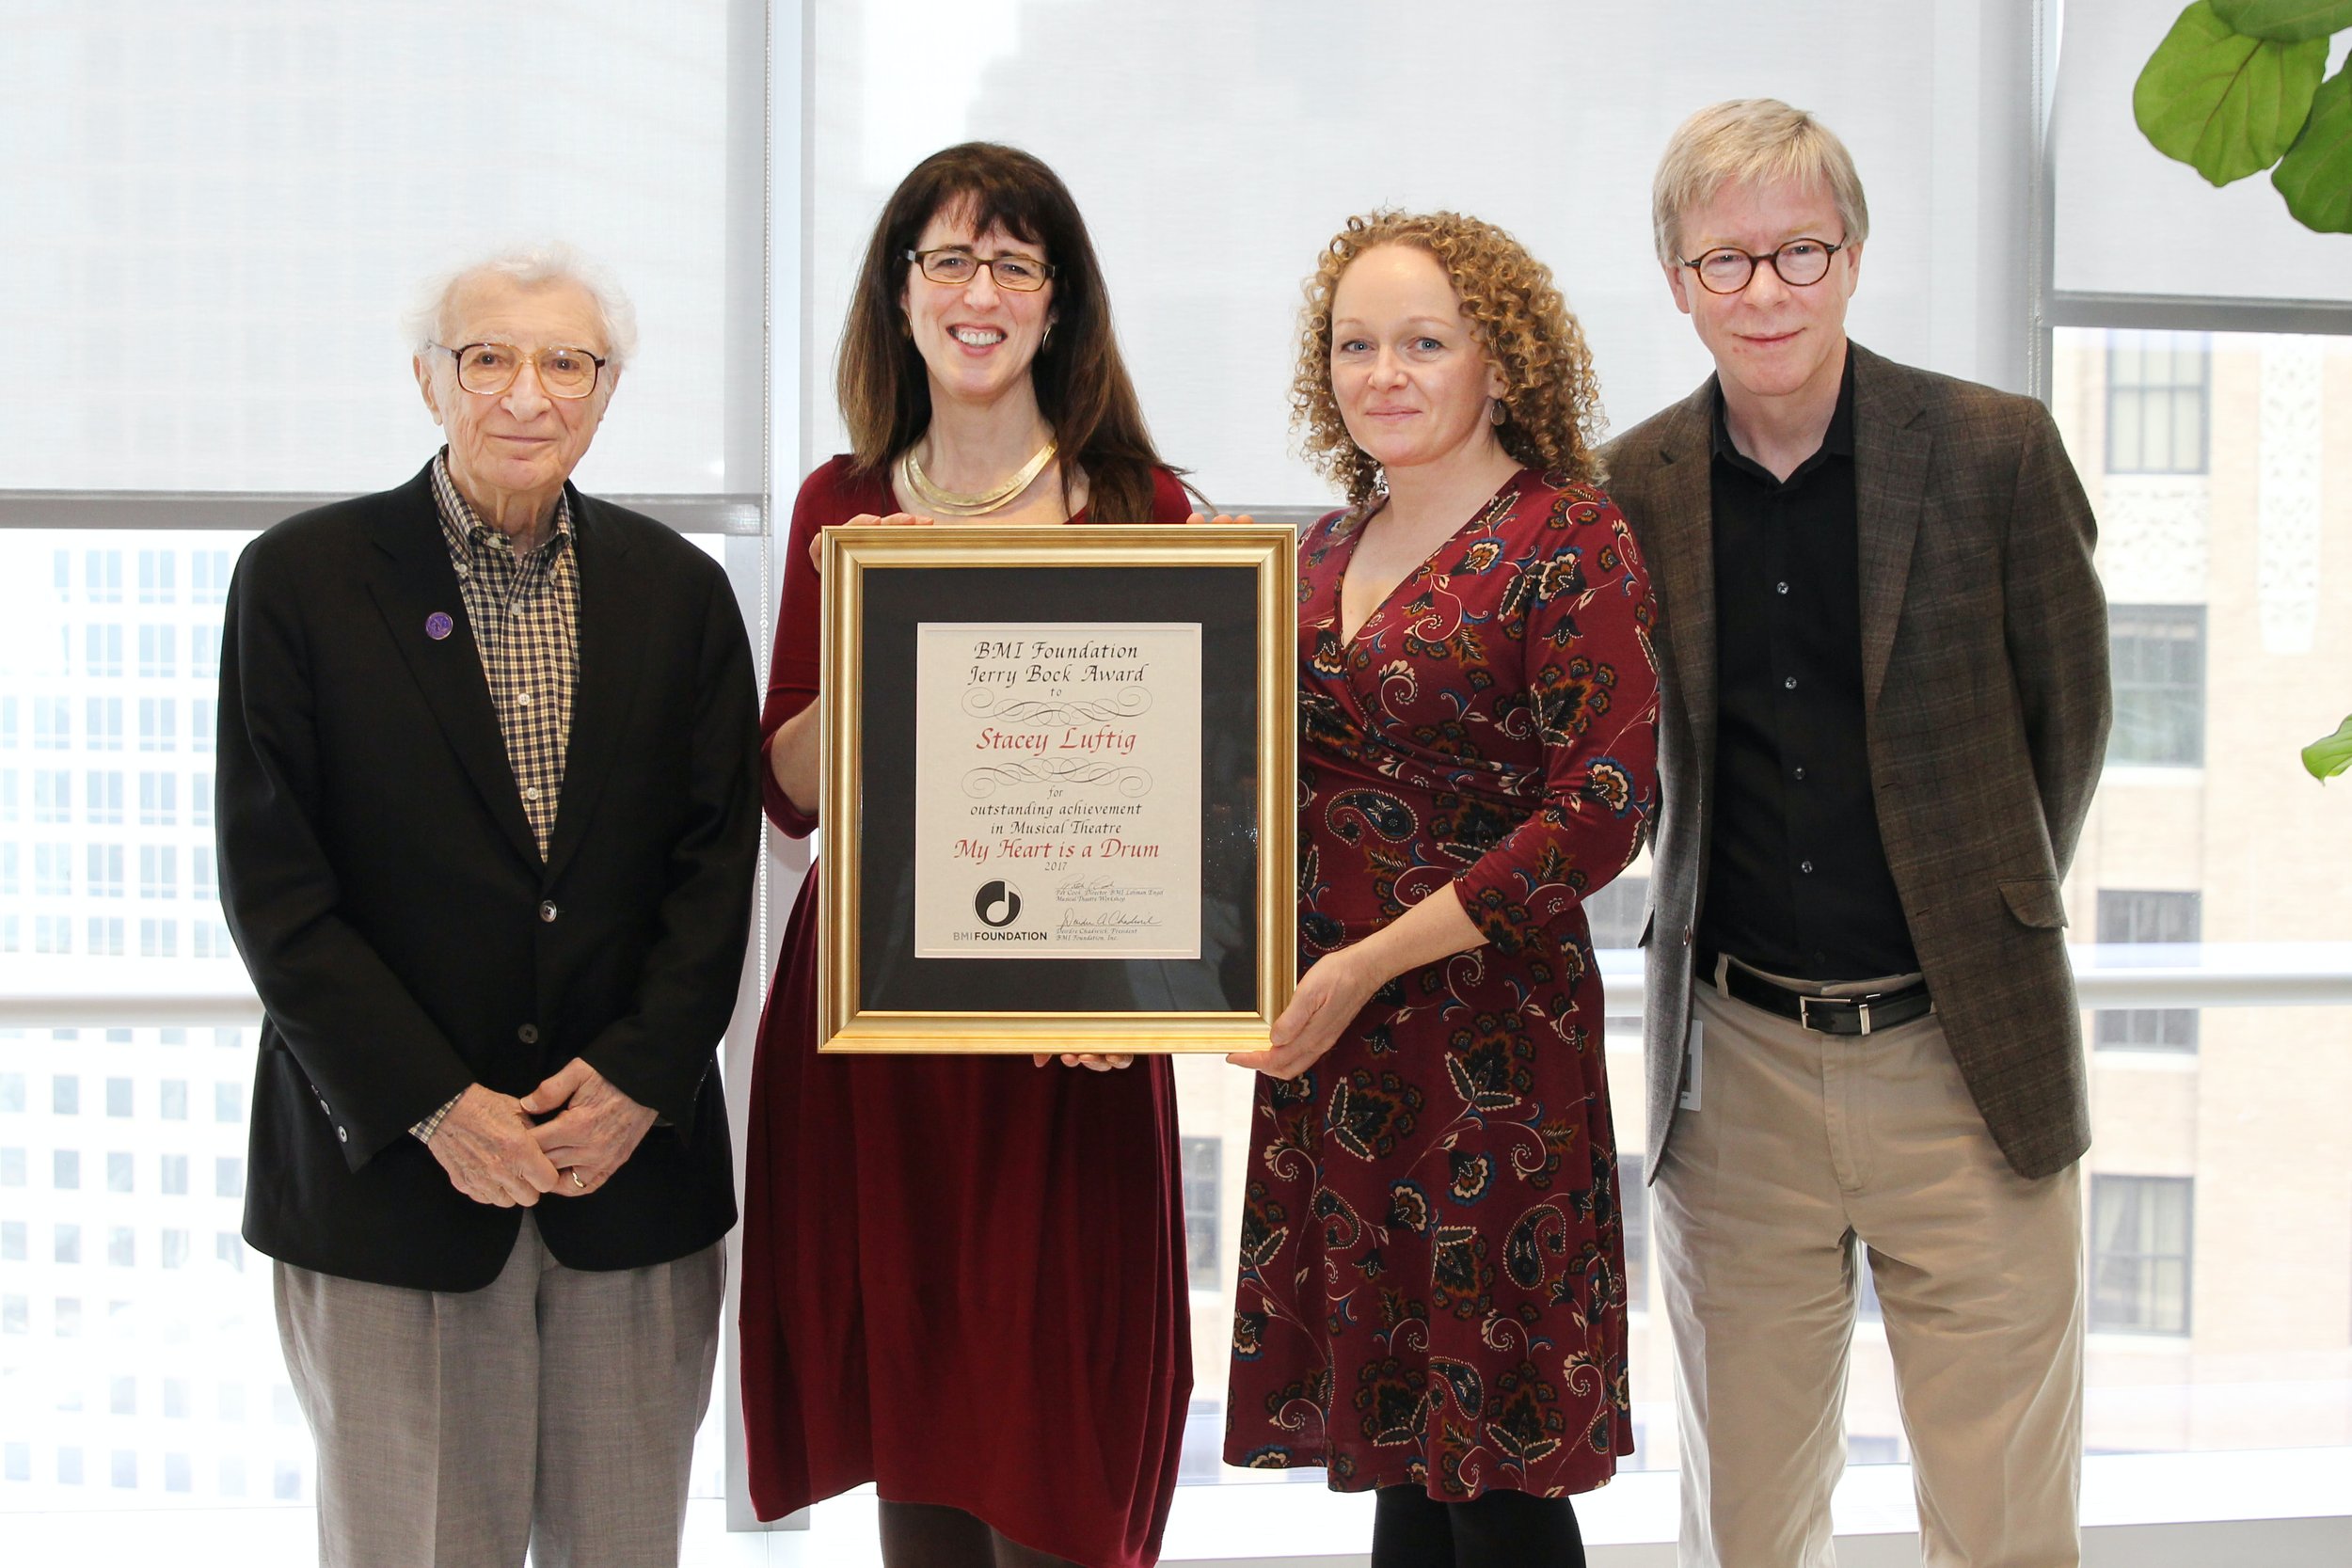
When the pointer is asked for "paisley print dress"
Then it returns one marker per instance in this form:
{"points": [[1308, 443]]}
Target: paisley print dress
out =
{"points": [[1432, 1277]]}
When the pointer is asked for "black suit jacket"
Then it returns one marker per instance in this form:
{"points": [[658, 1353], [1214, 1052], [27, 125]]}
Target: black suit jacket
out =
{"points": [[404, 936], [1984, 657]]}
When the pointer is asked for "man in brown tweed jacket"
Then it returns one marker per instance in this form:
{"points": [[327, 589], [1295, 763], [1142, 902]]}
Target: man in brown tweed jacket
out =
{"points": [[1883, 654]]}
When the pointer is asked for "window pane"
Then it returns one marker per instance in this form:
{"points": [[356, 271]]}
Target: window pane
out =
{"points": [[185, 1342], [1633, 1200], [2124, 222], [2156, 396], [1211, 345], [1617, 911], [2139, 1241], [1203, 1179], [2188, 430], [2157, 654], [217, 227], [2205, 830], [2128, 442]]}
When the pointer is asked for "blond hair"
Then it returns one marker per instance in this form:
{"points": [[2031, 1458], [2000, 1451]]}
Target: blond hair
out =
{"points": [[1751, 141], [1551, 398]]}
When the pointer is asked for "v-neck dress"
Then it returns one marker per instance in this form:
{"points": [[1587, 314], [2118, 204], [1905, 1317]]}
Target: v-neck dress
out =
{"points": [[1432, 1277], [963, 1276]]}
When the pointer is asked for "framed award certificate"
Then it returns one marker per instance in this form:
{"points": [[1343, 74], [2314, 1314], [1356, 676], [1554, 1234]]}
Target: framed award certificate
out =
{"points": [[1057, 788]]}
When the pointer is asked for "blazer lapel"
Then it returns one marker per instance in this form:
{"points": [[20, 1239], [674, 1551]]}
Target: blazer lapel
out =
{"points": [[1890, 492], [607, 684], [416, 586], [1682, 514]]}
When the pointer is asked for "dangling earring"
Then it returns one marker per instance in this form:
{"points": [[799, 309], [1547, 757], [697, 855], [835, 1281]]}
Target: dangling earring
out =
{"points": [[1497, 414], [1047, 338]]}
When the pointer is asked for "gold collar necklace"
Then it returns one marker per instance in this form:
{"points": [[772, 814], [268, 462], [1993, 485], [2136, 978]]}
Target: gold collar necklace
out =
{"points": [[909, 472]]}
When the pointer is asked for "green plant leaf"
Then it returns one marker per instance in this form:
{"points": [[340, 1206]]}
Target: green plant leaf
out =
{"points": [[2316, 176], [2330, 755], [2225, 105], [2286, 21]]}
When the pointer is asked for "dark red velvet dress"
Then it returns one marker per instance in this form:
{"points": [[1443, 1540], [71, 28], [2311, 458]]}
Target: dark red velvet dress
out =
{"points": [[963, 1276], [1432, 1285]]}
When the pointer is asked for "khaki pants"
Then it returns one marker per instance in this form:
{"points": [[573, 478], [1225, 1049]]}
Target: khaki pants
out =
{"points": [[554, 1408], [1801, 1142]]}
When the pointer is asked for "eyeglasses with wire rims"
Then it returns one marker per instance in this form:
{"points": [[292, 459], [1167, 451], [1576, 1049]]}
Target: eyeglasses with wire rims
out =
{"points": [[955, 266], [1800, 263], [489, 369]]}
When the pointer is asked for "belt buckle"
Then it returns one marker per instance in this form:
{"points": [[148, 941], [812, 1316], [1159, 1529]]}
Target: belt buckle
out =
{"points": [[1860, 1005]]}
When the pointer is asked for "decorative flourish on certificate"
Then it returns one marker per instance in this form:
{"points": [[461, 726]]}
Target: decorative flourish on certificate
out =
{"points": [[984, 701], [1130, 781], [1058, 790]]}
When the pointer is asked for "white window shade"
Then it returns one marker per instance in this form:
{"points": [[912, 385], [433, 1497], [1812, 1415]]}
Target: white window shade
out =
{"points": [[2132, 227], [217, 216], [1216, 146]]}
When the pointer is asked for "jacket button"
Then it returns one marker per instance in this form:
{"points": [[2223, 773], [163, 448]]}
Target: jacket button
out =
{"points": [[528, 1034], [1686, 936], [341, 1136], [547, 911]]}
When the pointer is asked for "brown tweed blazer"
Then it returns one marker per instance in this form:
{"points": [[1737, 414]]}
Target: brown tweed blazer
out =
{"points": [[1984, 657]]}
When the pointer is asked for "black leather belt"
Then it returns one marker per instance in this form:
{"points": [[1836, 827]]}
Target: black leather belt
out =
{"points": [[1865, 1014]]}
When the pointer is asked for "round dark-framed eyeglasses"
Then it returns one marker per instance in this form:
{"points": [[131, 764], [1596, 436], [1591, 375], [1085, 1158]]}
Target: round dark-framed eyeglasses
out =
{"points": [[1728, 269], [956, 266], [491, 368]]}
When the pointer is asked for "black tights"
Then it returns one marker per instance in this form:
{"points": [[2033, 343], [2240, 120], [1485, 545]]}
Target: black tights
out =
{"points": [[1498, 1529], [931, 1535]]}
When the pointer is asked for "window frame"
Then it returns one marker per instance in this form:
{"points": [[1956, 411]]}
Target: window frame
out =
{"points": [[2167, 694], [2119, 1181], [2118, 922], [2144, 393]]}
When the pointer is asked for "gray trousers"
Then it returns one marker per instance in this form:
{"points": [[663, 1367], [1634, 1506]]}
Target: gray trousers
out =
{"points": [[553, 1410]]}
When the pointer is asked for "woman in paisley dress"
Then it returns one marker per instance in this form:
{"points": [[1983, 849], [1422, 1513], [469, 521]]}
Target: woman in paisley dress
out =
{"points": [[963, 1276], [1432, 1281]]}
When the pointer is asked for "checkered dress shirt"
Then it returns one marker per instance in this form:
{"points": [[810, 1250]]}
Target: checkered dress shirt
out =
{"points": [[525, 613]]}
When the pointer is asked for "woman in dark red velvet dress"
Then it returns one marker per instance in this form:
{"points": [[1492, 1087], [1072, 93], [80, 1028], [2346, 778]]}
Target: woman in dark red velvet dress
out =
{"points": [[1432, 1296], [963, 1275]]}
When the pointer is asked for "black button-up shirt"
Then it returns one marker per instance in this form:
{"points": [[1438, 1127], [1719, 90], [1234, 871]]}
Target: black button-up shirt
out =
{"points": [[1797, 881]]}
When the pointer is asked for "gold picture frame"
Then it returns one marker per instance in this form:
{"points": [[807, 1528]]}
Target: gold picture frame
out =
{"points": [[900, 973]]}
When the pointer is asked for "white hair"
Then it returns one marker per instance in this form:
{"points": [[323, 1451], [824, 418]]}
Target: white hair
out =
{"points": [[552, 262]]}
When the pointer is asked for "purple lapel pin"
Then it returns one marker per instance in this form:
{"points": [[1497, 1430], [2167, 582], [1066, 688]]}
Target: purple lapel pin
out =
{"points": [[439, 624]]}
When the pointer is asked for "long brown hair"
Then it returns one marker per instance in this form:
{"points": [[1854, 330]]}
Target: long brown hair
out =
{"points": [[1081, 382]]}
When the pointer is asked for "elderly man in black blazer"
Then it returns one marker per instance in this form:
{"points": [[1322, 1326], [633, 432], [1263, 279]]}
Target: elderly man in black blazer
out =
{"points": [[488, 807], [1884, 654]]}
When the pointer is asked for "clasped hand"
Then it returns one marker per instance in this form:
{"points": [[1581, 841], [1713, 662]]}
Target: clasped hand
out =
{"points": [[497, 1152]]}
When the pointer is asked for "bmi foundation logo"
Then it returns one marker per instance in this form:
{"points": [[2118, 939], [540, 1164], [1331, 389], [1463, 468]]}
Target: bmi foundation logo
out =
{"points": [[998, 904]]}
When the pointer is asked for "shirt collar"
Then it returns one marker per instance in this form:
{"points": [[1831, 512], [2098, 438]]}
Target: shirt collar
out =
{"points": [[1837, 441], [461, 524]]}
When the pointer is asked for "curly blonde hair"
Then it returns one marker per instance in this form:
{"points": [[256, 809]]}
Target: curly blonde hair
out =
{"points": [[1551, 403]]}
